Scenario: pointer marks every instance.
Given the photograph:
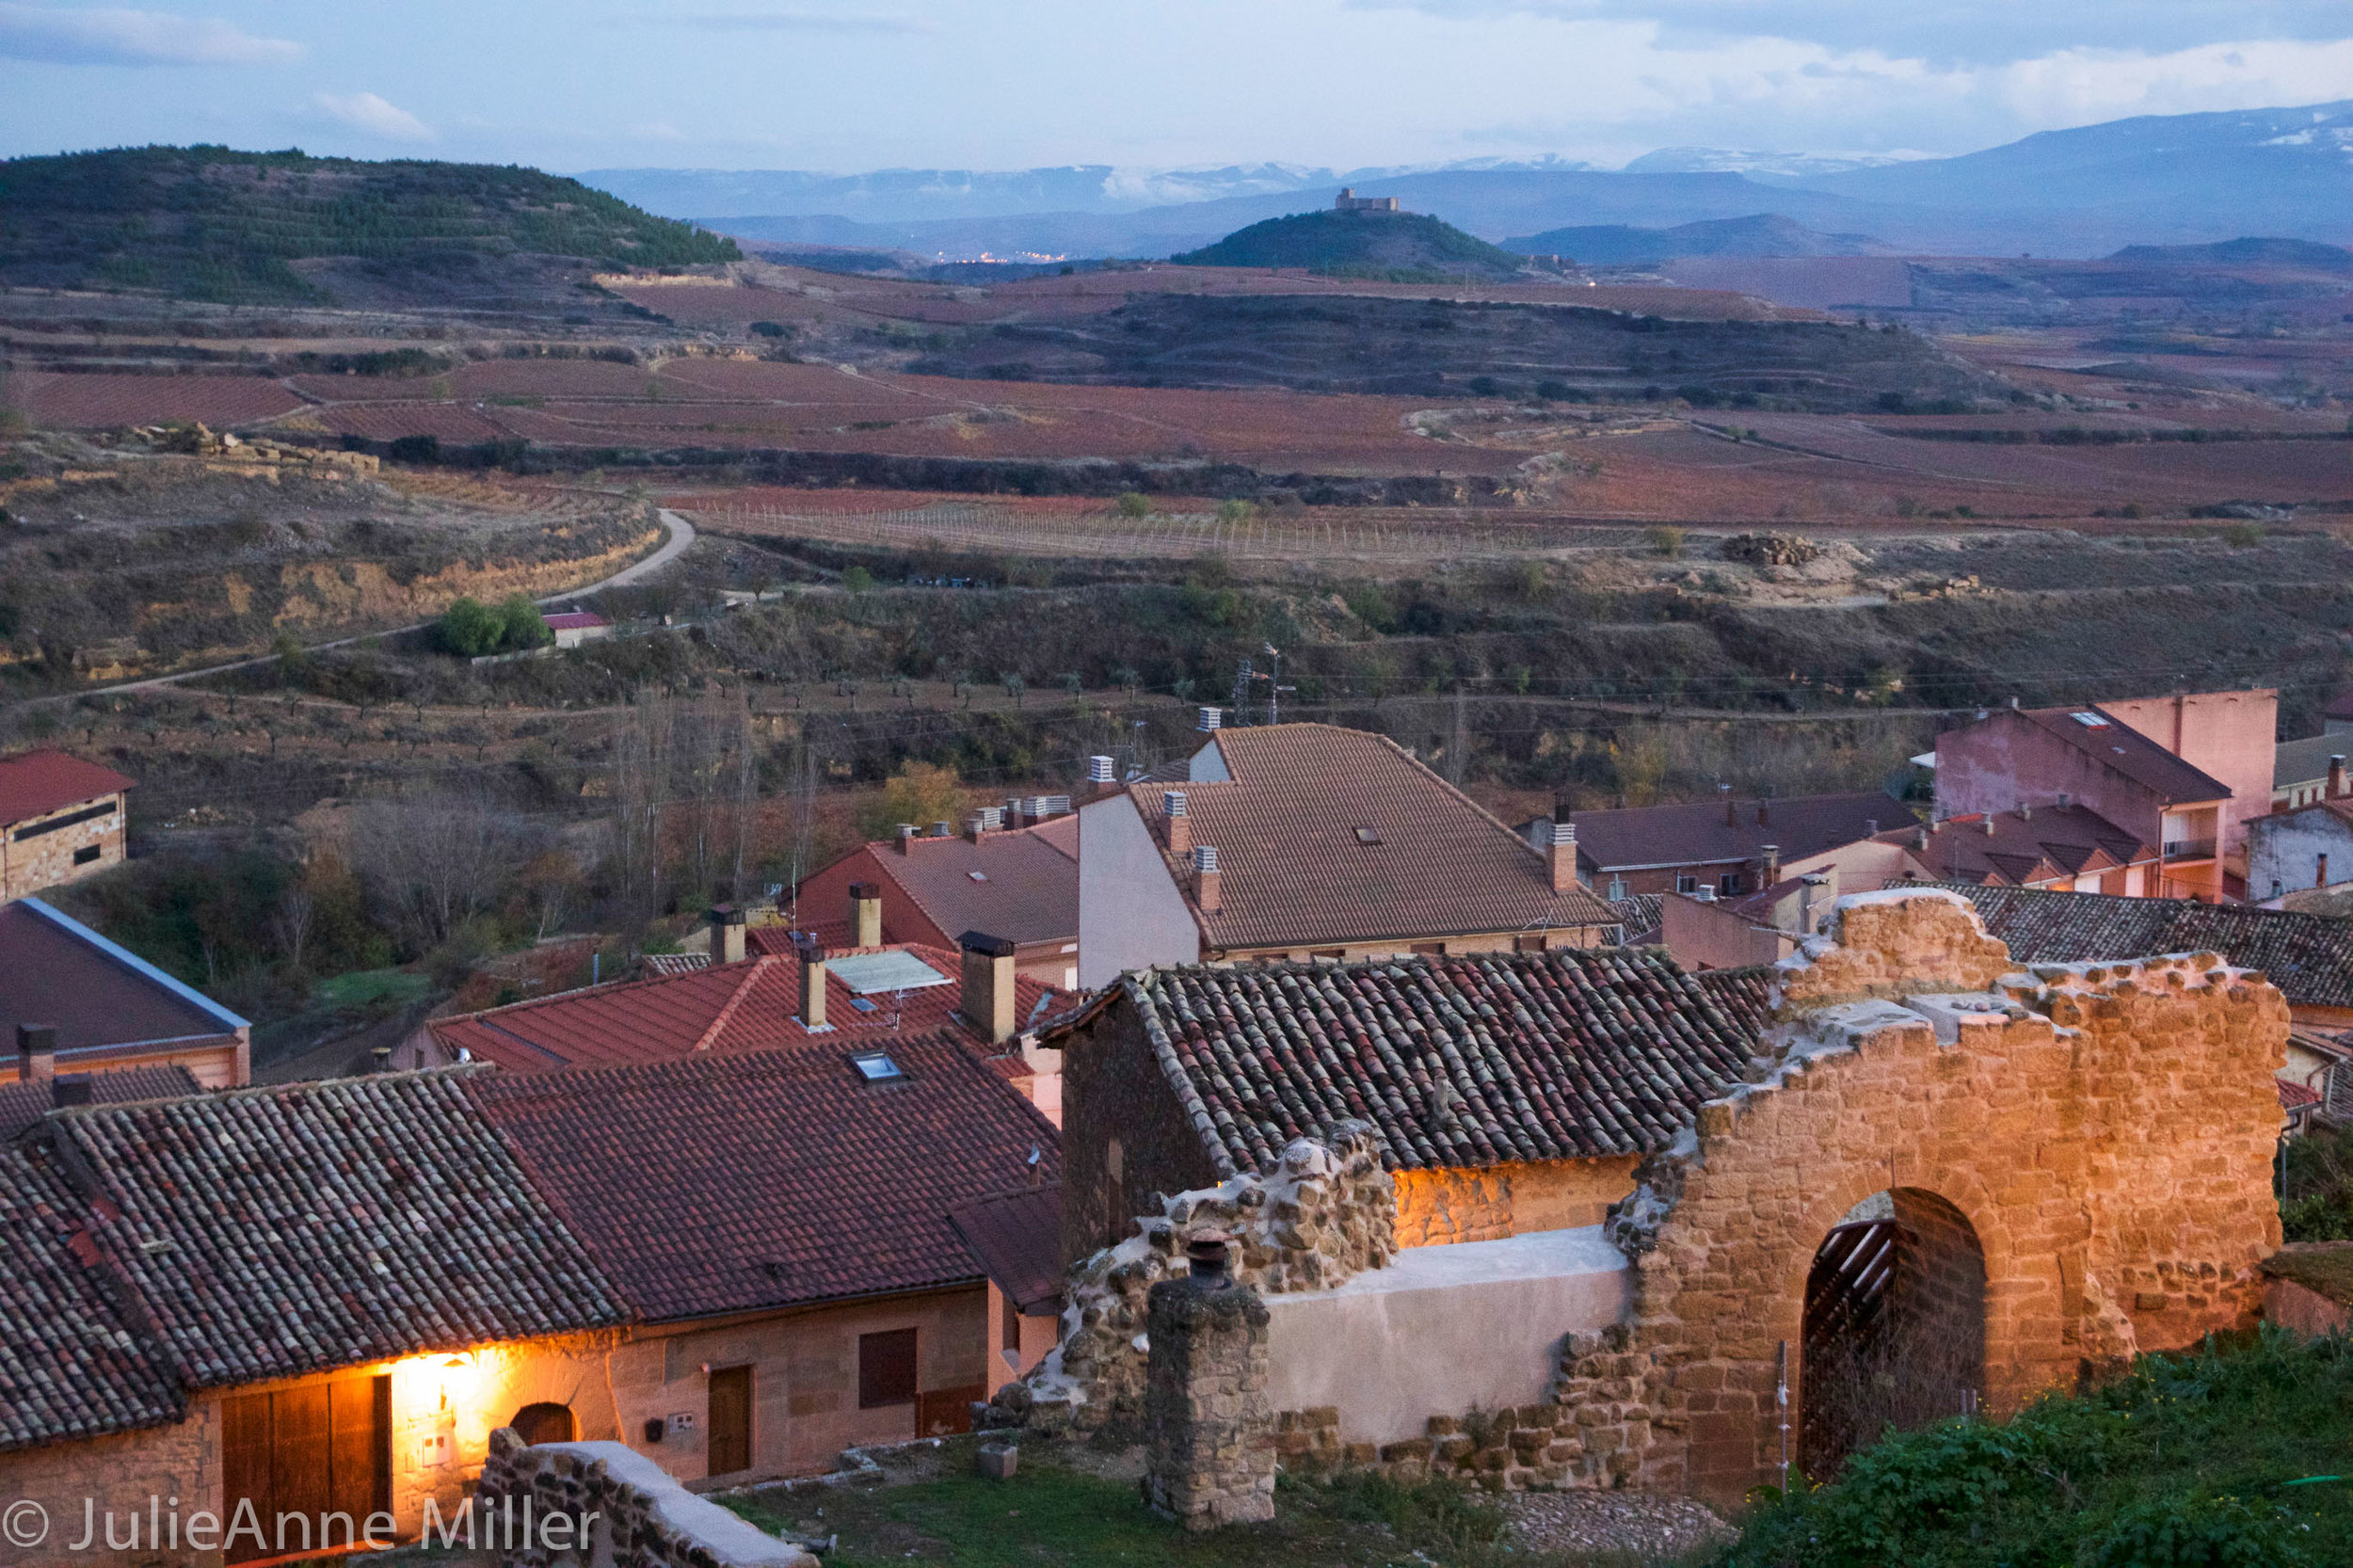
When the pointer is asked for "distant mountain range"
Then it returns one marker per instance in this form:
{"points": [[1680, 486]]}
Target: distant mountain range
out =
{"points": [[2156, 180], [1765, 234]]}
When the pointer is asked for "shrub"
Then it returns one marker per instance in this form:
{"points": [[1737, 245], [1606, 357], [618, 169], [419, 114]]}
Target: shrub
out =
{"points": [[1236, 511], [1664, 540], [471, 629], [857, 580], [1133, 505], [416, 449]]}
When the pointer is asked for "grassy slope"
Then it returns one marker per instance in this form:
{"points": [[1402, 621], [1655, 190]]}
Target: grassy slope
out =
{"points": [[2194, 1461], [1385, 244], [209, 223]]}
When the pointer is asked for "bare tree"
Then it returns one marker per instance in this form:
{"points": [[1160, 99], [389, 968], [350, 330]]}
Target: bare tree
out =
{"points": [[432, 862]]}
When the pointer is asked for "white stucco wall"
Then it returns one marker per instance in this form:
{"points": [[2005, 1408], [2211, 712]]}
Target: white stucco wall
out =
{"points": [[2287, 849], [1442, 1330], [1130, 913]]}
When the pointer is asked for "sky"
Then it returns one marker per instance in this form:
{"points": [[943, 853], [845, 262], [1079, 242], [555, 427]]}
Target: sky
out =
{"points": [[856, 85]]}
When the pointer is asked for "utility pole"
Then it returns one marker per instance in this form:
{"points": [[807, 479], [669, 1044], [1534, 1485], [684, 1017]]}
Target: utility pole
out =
{"points": [[1275, 688], [1455, 747]]}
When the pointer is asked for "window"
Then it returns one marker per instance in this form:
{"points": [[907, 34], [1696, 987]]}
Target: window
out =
{"points": [[88, 813], [885, 1369], [86, 854], [731, 1421], [545, 1423], [1368, 835], [876, 1066], [1728, 885], [1687, 884]]}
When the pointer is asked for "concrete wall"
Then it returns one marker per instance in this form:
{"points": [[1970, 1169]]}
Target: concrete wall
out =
{"points": [[47, 860], [1442, 1331], [2283, 853], [1131, 914]]}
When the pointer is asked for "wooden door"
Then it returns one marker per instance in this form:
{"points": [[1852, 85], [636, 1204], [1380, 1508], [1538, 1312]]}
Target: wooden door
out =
{"points": [[311, 1451], [730, 1419]]}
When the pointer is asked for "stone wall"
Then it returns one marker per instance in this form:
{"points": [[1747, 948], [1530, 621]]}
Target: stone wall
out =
{"points": [[49, 859], [1126, 1136], [1325, 1214], [1208, 1433], [636, 1515], [118, 1475], [2106, 1131], [1487, 1203]]}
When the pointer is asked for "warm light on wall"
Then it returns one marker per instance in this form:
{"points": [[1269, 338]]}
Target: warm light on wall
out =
{"points": [[458, 1375]]}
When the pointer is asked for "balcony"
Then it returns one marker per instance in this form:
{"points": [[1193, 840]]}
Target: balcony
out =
{"points": [[2178, 850]]}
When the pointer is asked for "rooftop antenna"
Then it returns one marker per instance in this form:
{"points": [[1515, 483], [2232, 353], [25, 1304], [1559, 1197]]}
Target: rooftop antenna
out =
{"points": [[1242, 676]]}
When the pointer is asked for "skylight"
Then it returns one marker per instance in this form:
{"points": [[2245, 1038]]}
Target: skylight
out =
{"points": [[2089, 721], [1368, 835], [893, 969], [876, 1066]]}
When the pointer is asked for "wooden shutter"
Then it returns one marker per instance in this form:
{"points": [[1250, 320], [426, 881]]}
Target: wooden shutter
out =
{"points": [[731, 1421], [301, 1470], [244, 1467], [885, 1369], [360, 1446]]}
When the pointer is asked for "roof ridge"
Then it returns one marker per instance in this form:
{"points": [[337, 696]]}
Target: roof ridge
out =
{"points": [[758, 968]]}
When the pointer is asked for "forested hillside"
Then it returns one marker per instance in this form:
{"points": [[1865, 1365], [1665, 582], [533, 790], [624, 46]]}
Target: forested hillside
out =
{"points": [[211, 223]]}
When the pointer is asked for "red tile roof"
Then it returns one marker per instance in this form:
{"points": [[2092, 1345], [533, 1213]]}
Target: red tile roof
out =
{"points": [[753, 1005], [1022, 886], [39, 782], [769, 1178], [2119, 745], [1456, 1062], [1295, 873], [1016, 1237], [24, 1101], [2295, 1096], [575, 620], [1710, 833], [2041, 845]]}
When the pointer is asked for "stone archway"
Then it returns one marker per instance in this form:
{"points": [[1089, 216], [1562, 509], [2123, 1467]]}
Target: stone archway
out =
{"points": [[1894, 1325], [545, 1423]]}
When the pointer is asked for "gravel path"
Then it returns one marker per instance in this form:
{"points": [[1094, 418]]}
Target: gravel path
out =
{"points": [[1645, 1526]]}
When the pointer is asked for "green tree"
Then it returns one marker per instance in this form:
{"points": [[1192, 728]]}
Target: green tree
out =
{"points": [[471, 629], [521, 625], [920, 793], [1133, 505], [857, 580]]}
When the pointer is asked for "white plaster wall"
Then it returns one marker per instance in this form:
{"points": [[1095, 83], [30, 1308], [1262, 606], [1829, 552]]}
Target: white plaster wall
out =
{"points": [[1131, 914], [2286, 850], [1442, 1330]]}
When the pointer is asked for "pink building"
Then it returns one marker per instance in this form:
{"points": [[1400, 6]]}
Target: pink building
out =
{"points": [[2185, 773]]}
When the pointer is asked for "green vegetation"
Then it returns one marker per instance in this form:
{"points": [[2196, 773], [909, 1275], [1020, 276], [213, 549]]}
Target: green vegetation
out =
{"points": [[471, 629], [1398, 247], [2316, 1187], [209, 223], [1053, 1515], [2237, 1455]]}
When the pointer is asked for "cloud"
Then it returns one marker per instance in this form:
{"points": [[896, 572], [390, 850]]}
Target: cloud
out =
{"points": [[113, 37], [1971, 32], [797, 21], [365, 111]]}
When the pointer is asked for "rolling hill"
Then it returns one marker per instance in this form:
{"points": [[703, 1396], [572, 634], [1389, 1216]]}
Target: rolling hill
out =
{"points": [[1765, 234], [209, 223], [1404, 245]]}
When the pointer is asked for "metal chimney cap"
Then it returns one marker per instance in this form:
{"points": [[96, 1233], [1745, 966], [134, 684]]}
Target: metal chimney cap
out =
{"points": [[1211, 718], [1563, 832], [1205, 857], [1099, 770], [1173, 801], [986, 945], [862, 890]]}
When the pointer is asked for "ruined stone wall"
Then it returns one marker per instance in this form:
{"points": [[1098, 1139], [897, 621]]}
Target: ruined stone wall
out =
{"points": [[1126, 1136], [641, 1517], [2106, 1131], [1209, 1436]]}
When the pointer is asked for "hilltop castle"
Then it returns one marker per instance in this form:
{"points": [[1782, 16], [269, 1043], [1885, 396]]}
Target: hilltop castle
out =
{"points": [[1349, 201]]}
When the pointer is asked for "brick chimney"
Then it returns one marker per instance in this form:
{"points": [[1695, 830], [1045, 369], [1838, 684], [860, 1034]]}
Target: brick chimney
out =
{"points": [[2337, 787], [906, 838], [1772, 862], [1102, 777], [726, 933], [988, 992], [975, 825], [1563, 856], [35, 1052], [1732, 812], [866, 913], [1207, 882], [1179, 824], [811, 954]]}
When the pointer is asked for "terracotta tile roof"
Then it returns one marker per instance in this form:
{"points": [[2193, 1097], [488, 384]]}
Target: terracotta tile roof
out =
{"points": [[2041, 845], [1640, 915], [70, 1365], [24, 1101], [1026, 889], [754, 1006], [2310, 957], [1016, 1237], [1566, 1054], [277, 1231], [765, 1179], [1698, 834], [2119, 745], [39, 783], [575, 620], [2306, 761], [2295, 1096], [56, 970], [1295, 875]]}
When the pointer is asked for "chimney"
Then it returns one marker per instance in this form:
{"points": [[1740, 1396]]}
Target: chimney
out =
{"points": [[1211, 719], [1563, 856], [2026, 813], [1871, 827], [1179, 824], [1988, 824], [73, 1089], [1772, 861], [1102, 777], [2320, 871], [2337, 788], [35, 1052], [943, 830], [726, 933], [1016, 812], [906, 838], [866, 913], [975, 825], [812, 957], [988, 1002], [1207, 891], [2062, 800], [1760, 813]]}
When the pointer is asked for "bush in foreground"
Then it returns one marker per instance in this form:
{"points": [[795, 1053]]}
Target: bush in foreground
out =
{"points": [[2236, 1455]]}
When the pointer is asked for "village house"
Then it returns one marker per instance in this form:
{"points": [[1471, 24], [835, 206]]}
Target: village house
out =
{"points": [[751, 999], [2300, 769], [99, 1008], [1307, 840], [60, 819], [1735, 847], [2305, 847], [573, 628], [1013, 872], [2186, 773], [1901, 1175], [737, 1264], [2066, 846]]}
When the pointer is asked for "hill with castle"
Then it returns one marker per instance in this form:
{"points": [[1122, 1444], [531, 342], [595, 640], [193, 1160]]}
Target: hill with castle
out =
{"points": [[1363, 237]]}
